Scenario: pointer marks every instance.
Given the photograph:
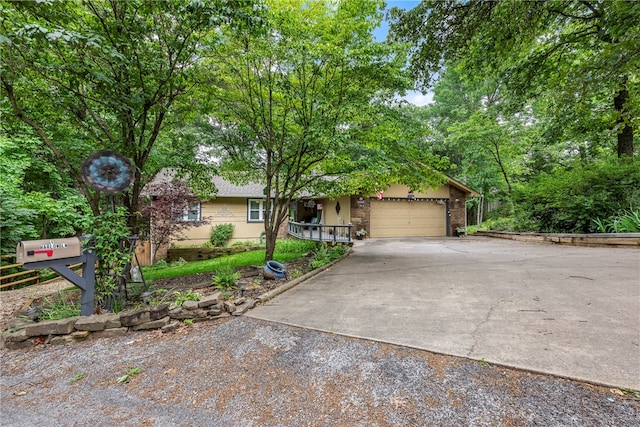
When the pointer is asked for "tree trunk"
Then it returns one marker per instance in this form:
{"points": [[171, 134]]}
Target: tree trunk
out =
{"points": [[625, 131], [270, 240]]}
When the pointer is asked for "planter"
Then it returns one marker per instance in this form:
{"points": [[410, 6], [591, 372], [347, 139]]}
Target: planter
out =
{"points": [[274, 270]]}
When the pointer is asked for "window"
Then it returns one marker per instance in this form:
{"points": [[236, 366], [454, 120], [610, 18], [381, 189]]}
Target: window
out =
{"points": [[192, 213], [255, 212]]}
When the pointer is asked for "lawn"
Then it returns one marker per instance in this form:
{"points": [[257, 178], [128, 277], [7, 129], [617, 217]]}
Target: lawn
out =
{"points": [[286, 250]]}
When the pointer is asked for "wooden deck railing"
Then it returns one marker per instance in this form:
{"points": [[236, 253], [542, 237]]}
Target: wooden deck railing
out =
{"points": [[321, 232]]}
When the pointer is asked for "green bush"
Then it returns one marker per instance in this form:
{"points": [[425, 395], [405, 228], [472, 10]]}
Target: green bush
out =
{"points": [[325, 254], [225, 278], [294, 246], [569, 200], [628, 222], [221, 234]]}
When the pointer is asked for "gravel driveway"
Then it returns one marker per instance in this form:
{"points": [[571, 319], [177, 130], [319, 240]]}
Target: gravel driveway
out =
{"points": [[249, 372]]}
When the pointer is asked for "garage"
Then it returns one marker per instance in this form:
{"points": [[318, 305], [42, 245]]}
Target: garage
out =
{"points": [[406, 218]]}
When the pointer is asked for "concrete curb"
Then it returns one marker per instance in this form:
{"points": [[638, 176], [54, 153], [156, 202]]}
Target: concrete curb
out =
{"points": [[295, 282], [621, 240]]}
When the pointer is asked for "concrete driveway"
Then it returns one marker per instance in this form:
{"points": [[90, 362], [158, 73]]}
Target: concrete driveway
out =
{"points": [[562, 310]]}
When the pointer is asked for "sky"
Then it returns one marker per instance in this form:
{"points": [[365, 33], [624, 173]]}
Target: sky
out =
{"points": [[413, 97]]}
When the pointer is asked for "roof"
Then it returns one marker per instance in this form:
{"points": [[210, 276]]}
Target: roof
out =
{"points": [[463, 187], [253, 190], [227, 189]]}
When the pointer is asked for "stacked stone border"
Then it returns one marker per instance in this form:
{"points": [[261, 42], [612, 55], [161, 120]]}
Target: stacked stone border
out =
{"points": [[25, 333]]}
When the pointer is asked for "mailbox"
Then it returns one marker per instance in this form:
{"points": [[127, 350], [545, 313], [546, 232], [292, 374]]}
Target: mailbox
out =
{"points": [[44, 250]]}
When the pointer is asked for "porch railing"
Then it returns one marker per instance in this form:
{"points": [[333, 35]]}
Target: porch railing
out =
{"points": [[321, 232]]}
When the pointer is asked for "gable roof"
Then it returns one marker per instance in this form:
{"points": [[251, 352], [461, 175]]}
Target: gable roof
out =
{"points": [[470, 191]]}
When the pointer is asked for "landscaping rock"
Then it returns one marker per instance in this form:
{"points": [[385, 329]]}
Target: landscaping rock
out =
{"points": [[80, 335], [52, 327], [97, 322], [229, 306], [156, 324], [221, 315], [17, 336], [243, 308], [135, 318], [190, 305], [19, 323], [209, 300], [170, 327], [18, 345], [214, 311], [159, 312]]}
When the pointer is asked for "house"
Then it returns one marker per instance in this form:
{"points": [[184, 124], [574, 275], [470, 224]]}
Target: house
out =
{"points": [[395, 212]]}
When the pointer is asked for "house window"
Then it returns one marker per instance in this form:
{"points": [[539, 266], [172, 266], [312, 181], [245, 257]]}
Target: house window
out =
{"points": [[256, 210], [192, 213]]}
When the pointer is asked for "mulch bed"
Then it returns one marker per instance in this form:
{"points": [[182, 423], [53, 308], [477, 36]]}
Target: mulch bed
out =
{"points": [[251, 285]]}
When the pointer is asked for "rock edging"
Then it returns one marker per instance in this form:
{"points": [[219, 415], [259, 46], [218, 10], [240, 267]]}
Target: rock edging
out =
{"points": [[24, 333]]}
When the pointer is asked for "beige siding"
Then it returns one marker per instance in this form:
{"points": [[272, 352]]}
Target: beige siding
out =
{"points": [[223, 211], [329, 214], [398, 190], [404, 218]]}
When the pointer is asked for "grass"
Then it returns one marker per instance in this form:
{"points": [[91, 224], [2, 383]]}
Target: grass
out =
{"points": [[286, 250]]}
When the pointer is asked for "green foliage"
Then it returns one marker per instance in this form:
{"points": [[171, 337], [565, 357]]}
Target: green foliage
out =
{"points": [[325, 254], [585, 74], [627, 222], [310, 90], [59, 306], [221, 234], [570, 199], [32, 206], [188, 295], [108, 233], [128, 376], [286, 249], [77, 377], [294, 246], [225, 278], [109, 75], [245, 243]]}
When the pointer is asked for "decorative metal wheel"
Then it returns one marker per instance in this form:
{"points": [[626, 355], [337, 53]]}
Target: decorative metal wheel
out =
{"points": [[108, 171]]}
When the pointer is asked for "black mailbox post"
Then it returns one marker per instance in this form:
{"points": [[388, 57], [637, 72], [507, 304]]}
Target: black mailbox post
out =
{"points": [[58, 255]]}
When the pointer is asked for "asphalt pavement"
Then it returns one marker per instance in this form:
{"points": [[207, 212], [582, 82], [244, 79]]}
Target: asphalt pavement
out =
{"points": [[567, 311]]}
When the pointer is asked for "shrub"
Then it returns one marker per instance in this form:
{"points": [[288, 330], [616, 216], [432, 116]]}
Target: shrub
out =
{"points": [[221, 234], [628, 222], [189, 295], [225, 278], [570, 199]]}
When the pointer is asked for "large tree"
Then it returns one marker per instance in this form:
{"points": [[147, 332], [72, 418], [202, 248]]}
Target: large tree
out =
{"points": [[581, 54], [105, 74], [292, 107]]}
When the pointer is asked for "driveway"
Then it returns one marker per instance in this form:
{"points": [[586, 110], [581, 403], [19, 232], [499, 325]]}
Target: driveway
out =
{"points": [[562, 310]]}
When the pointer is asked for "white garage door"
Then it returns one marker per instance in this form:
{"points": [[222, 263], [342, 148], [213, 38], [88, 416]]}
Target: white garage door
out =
{"points": [[402, 218]]}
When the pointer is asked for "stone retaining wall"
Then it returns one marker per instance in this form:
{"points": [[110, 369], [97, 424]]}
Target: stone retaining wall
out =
{"points": [[23, 333], [598, 240]]}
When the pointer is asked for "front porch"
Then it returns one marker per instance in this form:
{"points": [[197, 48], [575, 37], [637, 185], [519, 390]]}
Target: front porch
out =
{"points": [[321, 232]]}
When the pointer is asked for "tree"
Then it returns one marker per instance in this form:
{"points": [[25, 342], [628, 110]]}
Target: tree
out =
{"points": [[36, 201], [573, 51], [291, 108], [169, 201], [105, 74]]}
